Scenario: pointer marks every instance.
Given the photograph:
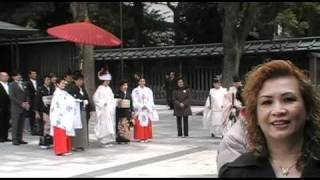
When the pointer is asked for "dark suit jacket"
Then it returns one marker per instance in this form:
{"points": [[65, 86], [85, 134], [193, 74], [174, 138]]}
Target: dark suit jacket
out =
{"points": [[17, 97], [4, 100], [249, 166], [75, 92], [31, 91]]}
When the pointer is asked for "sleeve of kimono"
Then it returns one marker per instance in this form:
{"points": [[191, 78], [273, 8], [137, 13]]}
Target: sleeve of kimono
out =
{"points": [[117, 95], [112, 102], [131, 103], [53, 111], [99, 101], [135, 100], [150, 103], [207, 104]]}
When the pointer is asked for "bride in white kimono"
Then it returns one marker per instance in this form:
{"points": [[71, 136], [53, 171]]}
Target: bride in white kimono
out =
{"points": [[105, 110], [212, 113]]}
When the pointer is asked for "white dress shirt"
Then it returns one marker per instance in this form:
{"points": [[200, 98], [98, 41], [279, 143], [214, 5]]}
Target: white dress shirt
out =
{"points": [[6, 86], [34, 83]]}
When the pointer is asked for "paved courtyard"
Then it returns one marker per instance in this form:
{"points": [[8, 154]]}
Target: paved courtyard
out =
{"points": [[165, 156]]}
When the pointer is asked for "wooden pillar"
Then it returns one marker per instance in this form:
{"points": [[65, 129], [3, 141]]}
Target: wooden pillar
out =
{"points": [[12, 53], [17, 56], [142, 68], [180, 67], [313, 67]]}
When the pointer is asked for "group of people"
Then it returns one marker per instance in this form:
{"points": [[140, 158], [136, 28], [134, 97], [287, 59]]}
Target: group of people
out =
{"points": [[117, 112], [276, 132], [222, 107], [20, 101], [61, 111]]}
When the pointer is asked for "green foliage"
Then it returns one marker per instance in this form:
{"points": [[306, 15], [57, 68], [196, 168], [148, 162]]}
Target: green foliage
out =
{"points": [[299, 19]]}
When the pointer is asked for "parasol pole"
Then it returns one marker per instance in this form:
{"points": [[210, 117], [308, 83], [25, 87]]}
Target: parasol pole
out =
{"points": [[121, 47]]}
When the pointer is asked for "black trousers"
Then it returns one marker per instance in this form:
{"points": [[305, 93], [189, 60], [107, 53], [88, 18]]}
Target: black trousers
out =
{"points": [[4, 124], [169, 99], [31, 116], [185, 125]]}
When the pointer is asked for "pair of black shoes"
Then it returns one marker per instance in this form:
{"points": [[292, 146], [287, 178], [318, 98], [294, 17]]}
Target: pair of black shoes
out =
{"points": [[5, 140], [19, 142], [183, 136]]}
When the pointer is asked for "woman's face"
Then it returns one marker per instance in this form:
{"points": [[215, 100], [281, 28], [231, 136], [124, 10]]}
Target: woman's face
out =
{"points": [[216, 85], [124, 87], [280, 109], [54, 80], [62, 84], [79, 82], [142, 82], [180, 83], [106, 83], [47, 81]]}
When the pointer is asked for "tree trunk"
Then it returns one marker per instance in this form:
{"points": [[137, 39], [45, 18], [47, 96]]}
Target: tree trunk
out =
{"points": [[80, 13], [238, 18], [176, 22], [88, 70]]}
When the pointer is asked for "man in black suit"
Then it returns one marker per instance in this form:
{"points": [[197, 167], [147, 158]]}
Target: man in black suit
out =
{"points": [[4, 107], [170, 85], [32, 85], [19, 106]]}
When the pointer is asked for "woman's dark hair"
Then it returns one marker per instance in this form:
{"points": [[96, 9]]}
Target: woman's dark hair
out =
{"points": [[59, 80], [184, 82], [122, 82]]}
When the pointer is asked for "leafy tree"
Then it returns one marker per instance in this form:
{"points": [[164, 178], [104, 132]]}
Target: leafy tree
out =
{"points": [[299, 19]]}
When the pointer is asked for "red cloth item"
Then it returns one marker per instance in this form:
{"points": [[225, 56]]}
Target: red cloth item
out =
{"points": [[62, 142], [142, 133], [85, 33]]}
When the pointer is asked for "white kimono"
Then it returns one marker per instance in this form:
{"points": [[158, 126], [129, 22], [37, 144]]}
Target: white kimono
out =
{"points": [[64, 112], [144, 97], [105, 104], [212, 113]]}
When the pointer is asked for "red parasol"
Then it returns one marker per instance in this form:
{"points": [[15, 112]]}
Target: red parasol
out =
{"points": [[85, 33]]}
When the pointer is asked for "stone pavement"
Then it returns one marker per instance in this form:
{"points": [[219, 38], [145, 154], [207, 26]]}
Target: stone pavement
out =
{"points": [[165, 156]]}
